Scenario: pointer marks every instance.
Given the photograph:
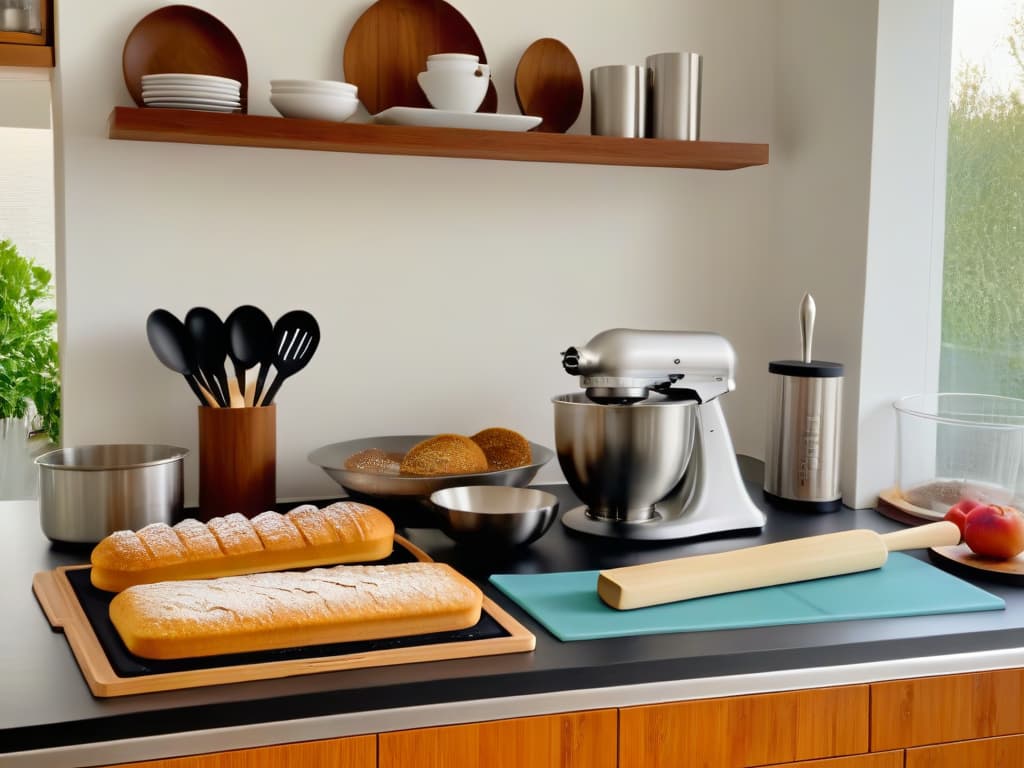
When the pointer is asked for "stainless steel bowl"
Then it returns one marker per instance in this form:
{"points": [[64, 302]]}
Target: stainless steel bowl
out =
{"points": [[331, 458], [622, 459], [494, 515], [87, 492]]}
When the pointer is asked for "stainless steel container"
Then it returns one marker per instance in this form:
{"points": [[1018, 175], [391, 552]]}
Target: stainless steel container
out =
{"points": [[88, 492], [804, 419], [618, 101], [622, 459], [674, 88], [495, 516]]}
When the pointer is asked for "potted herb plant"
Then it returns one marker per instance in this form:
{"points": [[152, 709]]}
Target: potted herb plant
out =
{"points": [[29, 376]]}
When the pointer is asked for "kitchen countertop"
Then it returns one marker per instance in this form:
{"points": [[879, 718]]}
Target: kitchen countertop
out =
{"points": [[48, 716]]}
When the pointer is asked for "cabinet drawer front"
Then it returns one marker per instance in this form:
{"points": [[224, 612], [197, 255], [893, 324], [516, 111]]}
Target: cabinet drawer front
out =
{"points": [[351, 752], [746, 730], [1002, 752], [907, 713], [877, 760], [574, 740]]}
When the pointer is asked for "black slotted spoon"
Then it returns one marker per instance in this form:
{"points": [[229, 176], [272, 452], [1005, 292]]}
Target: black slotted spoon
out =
{"points": [[296, 337]]}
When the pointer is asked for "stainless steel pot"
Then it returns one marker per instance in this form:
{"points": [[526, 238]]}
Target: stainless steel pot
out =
{"points": [[87, 492]]}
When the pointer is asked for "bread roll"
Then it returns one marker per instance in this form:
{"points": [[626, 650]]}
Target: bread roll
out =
{"points": [[345, 532], [504, 448], [264, 611], [444, 455]]}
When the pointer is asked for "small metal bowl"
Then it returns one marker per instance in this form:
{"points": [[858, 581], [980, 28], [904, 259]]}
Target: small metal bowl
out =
{"points": [[495, 515]]}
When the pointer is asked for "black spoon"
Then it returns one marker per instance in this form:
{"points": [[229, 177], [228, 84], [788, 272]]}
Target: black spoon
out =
{"points": [[250, 341], [210, 343], [296, 337], [173, 346]]}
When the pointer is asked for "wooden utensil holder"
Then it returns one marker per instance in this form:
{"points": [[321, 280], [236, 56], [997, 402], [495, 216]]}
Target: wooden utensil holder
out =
{"points": [[237, 461]]}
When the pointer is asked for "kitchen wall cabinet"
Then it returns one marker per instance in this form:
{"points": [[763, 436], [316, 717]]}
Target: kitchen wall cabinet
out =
{"points": [[576, 740], [351, 752], [1004, 751], [746, 730], [907, 713]]}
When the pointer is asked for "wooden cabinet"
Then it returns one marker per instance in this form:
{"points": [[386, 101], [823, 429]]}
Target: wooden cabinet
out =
{"points": [[907, 713], [746, 730], [575, 740], [351, 752], [1003, 752], [877, 760]]}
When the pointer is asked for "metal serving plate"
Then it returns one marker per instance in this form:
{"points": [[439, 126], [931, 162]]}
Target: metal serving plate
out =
{"points": [[332, 459]]}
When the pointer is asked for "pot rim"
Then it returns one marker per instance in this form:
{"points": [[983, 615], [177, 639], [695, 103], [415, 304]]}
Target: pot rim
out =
{"points": [[176, 453]]}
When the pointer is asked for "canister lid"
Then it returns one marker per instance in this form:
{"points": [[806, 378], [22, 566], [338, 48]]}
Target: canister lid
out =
{"points": [[814, 369]]}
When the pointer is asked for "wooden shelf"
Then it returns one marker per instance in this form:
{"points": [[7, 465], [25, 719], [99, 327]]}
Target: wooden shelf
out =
{"points": [[15, 55], [193, 127]]}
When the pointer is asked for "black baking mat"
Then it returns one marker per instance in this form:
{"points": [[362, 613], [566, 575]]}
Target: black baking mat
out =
{"points": [[96, 606]]}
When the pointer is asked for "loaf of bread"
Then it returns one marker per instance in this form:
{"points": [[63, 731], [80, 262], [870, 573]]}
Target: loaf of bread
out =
{"points": [[446, 454], [346, 532], [504, 448], [265, 611]]}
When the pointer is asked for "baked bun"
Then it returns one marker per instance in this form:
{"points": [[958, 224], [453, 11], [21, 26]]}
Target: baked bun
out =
{"points": [[504, 448], [444, 455]]}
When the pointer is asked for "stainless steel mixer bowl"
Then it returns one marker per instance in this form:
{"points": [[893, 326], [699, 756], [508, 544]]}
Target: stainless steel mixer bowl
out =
{"points": [[498, 516], [622, 459]]}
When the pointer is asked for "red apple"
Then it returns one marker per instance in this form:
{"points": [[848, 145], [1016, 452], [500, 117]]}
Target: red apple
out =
{"points": [[958, 514], [995, 531]]}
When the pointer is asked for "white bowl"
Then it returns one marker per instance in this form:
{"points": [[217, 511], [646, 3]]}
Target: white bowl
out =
{"points": [[327, 86], [453, 91], [315, 106], [315, 91], [453, 57]]}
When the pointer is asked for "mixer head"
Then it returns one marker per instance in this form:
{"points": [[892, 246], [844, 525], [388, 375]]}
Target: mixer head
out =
{"points": [[622, 366]]}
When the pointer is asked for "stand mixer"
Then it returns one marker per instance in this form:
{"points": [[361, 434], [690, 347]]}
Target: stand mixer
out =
{"points": [[646, 446]]}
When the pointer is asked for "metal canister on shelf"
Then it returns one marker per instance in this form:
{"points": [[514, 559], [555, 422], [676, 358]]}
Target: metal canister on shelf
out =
{"points": [[674, 88], [618, 100]]}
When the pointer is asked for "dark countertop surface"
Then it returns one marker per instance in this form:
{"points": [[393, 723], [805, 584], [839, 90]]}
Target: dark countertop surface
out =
{"points": [[44, 702]]}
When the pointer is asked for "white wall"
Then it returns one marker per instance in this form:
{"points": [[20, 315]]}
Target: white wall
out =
{"points": [[446, 288]]}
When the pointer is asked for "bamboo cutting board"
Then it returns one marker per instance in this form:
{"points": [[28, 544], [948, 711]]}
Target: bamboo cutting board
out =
{"points": [[64, 610]]}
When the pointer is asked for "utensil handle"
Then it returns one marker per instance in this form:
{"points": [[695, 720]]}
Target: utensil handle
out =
{"points": [[261, 379], [807, 311], [941, 534], [240, 379], [268, 398], [194, 385], [208, 398]]}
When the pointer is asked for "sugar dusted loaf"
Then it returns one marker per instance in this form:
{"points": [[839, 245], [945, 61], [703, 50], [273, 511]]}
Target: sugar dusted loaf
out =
{"points": [[264, 611], [306, 536]]}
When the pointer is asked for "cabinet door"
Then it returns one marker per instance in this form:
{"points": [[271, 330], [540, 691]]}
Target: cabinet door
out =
{"points": [[746, 730], [1002, 752], [574, 740], [875, 760], [352, 752], [908, 713]]}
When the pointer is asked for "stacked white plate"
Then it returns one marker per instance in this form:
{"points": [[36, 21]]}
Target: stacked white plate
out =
{"points": [[314, 99], [207, 93]]}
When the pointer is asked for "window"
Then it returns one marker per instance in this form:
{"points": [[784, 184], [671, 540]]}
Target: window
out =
{"points": [[983, 269]]}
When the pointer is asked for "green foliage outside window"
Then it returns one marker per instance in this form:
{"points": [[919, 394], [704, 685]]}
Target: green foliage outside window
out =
{"points": [[28, 348]]}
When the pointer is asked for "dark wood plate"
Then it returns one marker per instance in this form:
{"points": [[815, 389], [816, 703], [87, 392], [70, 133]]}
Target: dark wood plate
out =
{"points": [[549, 85], [963, 562], [180, 38], [389, 44]]}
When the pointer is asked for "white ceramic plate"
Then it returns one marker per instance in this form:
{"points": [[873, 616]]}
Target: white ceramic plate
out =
{"points": [[439, 118], [197, 89], [192, 100], [184, 93], [178, 78], [187, 105]]}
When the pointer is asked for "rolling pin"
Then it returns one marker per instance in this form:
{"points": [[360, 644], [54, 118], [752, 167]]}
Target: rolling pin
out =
{"points": [[783, 562]]}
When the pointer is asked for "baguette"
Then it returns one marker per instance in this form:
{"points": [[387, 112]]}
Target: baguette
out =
{"points": [[266, 611], [345, 532]]}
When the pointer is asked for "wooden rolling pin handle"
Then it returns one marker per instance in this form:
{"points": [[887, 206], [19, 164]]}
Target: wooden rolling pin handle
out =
{"points": [[940, 534]]}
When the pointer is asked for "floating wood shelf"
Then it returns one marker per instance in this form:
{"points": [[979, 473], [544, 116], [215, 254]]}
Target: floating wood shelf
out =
{"points": [[15, 55], [192, 127]]}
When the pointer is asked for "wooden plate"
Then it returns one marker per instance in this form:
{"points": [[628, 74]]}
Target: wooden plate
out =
{"points": [[963, 562], [180, 38], [549, 84], [389, 44], [892, 504]]}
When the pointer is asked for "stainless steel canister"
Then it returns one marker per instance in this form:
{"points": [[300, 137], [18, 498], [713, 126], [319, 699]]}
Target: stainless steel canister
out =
{"points": [[618, 100], [88, 492], [802, 455], [674, 88]]}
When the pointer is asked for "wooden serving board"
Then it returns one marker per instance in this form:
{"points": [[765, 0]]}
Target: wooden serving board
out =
{"points": [[963, 562], [892, 504], [64, 611]]}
